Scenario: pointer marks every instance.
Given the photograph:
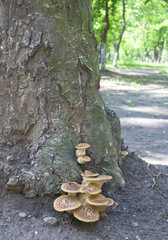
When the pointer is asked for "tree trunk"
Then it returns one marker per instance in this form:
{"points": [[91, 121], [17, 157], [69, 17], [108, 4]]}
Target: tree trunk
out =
{"points": [[104, 37], [115, 59], [155, 54], [103, 56], [116, 54], [50, 101], [117, 44], [160, 49]]}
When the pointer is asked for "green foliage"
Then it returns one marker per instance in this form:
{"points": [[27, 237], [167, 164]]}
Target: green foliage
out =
{"points": [[98, 9], [146, 33]]}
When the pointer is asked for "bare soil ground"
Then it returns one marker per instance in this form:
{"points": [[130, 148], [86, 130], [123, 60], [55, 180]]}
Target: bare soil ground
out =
{"points": [[140, 100], [142, 212]]}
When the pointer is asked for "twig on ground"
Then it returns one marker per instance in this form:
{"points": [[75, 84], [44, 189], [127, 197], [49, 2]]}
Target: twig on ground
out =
{"points": [[148, 166], [115, 205], [155, 178]]}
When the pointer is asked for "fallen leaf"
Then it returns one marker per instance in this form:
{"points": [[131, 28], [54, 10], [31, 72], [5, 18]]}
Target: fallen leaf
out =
{"points": [[148, 152]]}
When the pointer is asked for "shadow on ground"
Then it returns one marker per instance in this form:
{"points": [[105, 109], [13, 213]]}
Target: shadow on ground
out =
{"points": [[142, 105]]}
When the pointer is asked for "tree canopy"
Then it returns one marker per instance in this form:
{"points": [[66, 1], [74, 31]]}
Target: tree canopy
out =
{"points": [[145, 27]]}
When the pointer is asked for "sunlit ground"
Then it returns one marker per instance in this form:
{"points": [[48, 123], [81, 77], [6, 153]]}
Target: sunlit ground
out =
{"points": [[143, 112]]}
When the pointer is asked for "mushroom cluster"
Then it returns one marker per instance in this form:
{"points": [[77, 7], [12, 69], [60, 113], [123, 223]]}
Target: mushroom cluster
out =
{"points": [[80, 153], [84, 200]]}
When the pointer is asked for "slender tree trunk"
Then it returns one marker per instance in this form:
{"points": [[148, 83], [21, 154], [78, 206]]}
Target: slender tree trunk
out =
{"points": [[103, 55], [117, 44], [155, 54], [116, 53], [115, 59], [104, 37], [50, 101], [159, 54], [160, 45]]}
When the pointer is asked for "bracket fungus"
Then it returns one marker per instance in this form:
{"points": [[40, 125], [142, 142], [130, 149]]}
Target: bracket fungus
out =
{"points": [[124, 154], [86, 213], [100, 201], [91, 189], [66, 203], [85, 200], [88, 173], [81, 149], [71, 188], [83, 159], [99, 180], [97, 200]]}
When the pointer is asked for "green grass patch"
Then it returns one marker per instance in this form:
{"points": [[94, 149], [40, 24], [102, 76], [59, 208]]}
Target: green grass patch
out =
{"points": [[136, 64], [164, 72], [127, 80]]}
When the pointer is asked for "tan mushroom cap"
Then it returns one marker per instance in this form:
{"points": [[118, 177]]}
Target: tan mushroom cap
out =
{"points": [[82, 146], [66, 203], [86, 213], [124, 153], [71, 187], [88, 173], [98, 180], [110, 201], [91, 188], [83, 159], [98, 200]]}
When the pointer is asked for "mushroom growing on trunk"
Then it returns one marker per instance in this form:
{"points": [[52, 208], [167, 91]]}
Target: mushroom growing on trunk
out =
{"points": [[124, 154], [81, 149], [71, 188], [83, 159], [85, 200], [86, 213], [99, 180], [66, 203]]}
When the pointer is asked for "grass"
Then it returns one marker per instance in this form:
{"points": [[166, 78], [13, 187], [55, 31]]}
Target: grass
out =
{"points": [[163, 72], [136, 81], [109, 65], [132, 81]]}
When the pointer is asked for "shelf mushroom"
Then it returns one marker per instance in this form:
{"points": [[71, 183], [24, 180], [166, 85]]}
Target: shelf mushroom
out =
{"points": [[81, 149], [71, 188], [83, 159], [124, 154], [110, 201], [88, 173], [100, 201], [98, 180], [86, 213], [91, 189], [66, 203]]}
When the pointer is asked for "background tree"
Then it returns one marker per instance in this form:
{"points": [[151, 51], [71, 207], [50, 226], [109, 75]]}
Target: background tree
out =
{"points": [[103, 12], [50, 101], [117, 34], [146, 31]]}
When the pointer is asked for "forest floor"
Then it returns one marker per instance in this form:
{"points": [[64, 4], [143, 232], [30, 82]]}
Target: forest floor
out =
{"points": [[141, 102]]}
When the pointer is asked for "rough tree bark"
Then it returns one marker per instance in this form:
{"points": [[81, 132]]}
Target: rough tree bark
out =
{"points": [[50, 101]]}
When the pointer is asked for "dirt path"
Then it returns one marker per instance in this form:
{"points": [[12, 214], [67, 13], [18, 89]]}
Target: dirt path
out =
{"points": [[139, 71], [142, 109]]}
